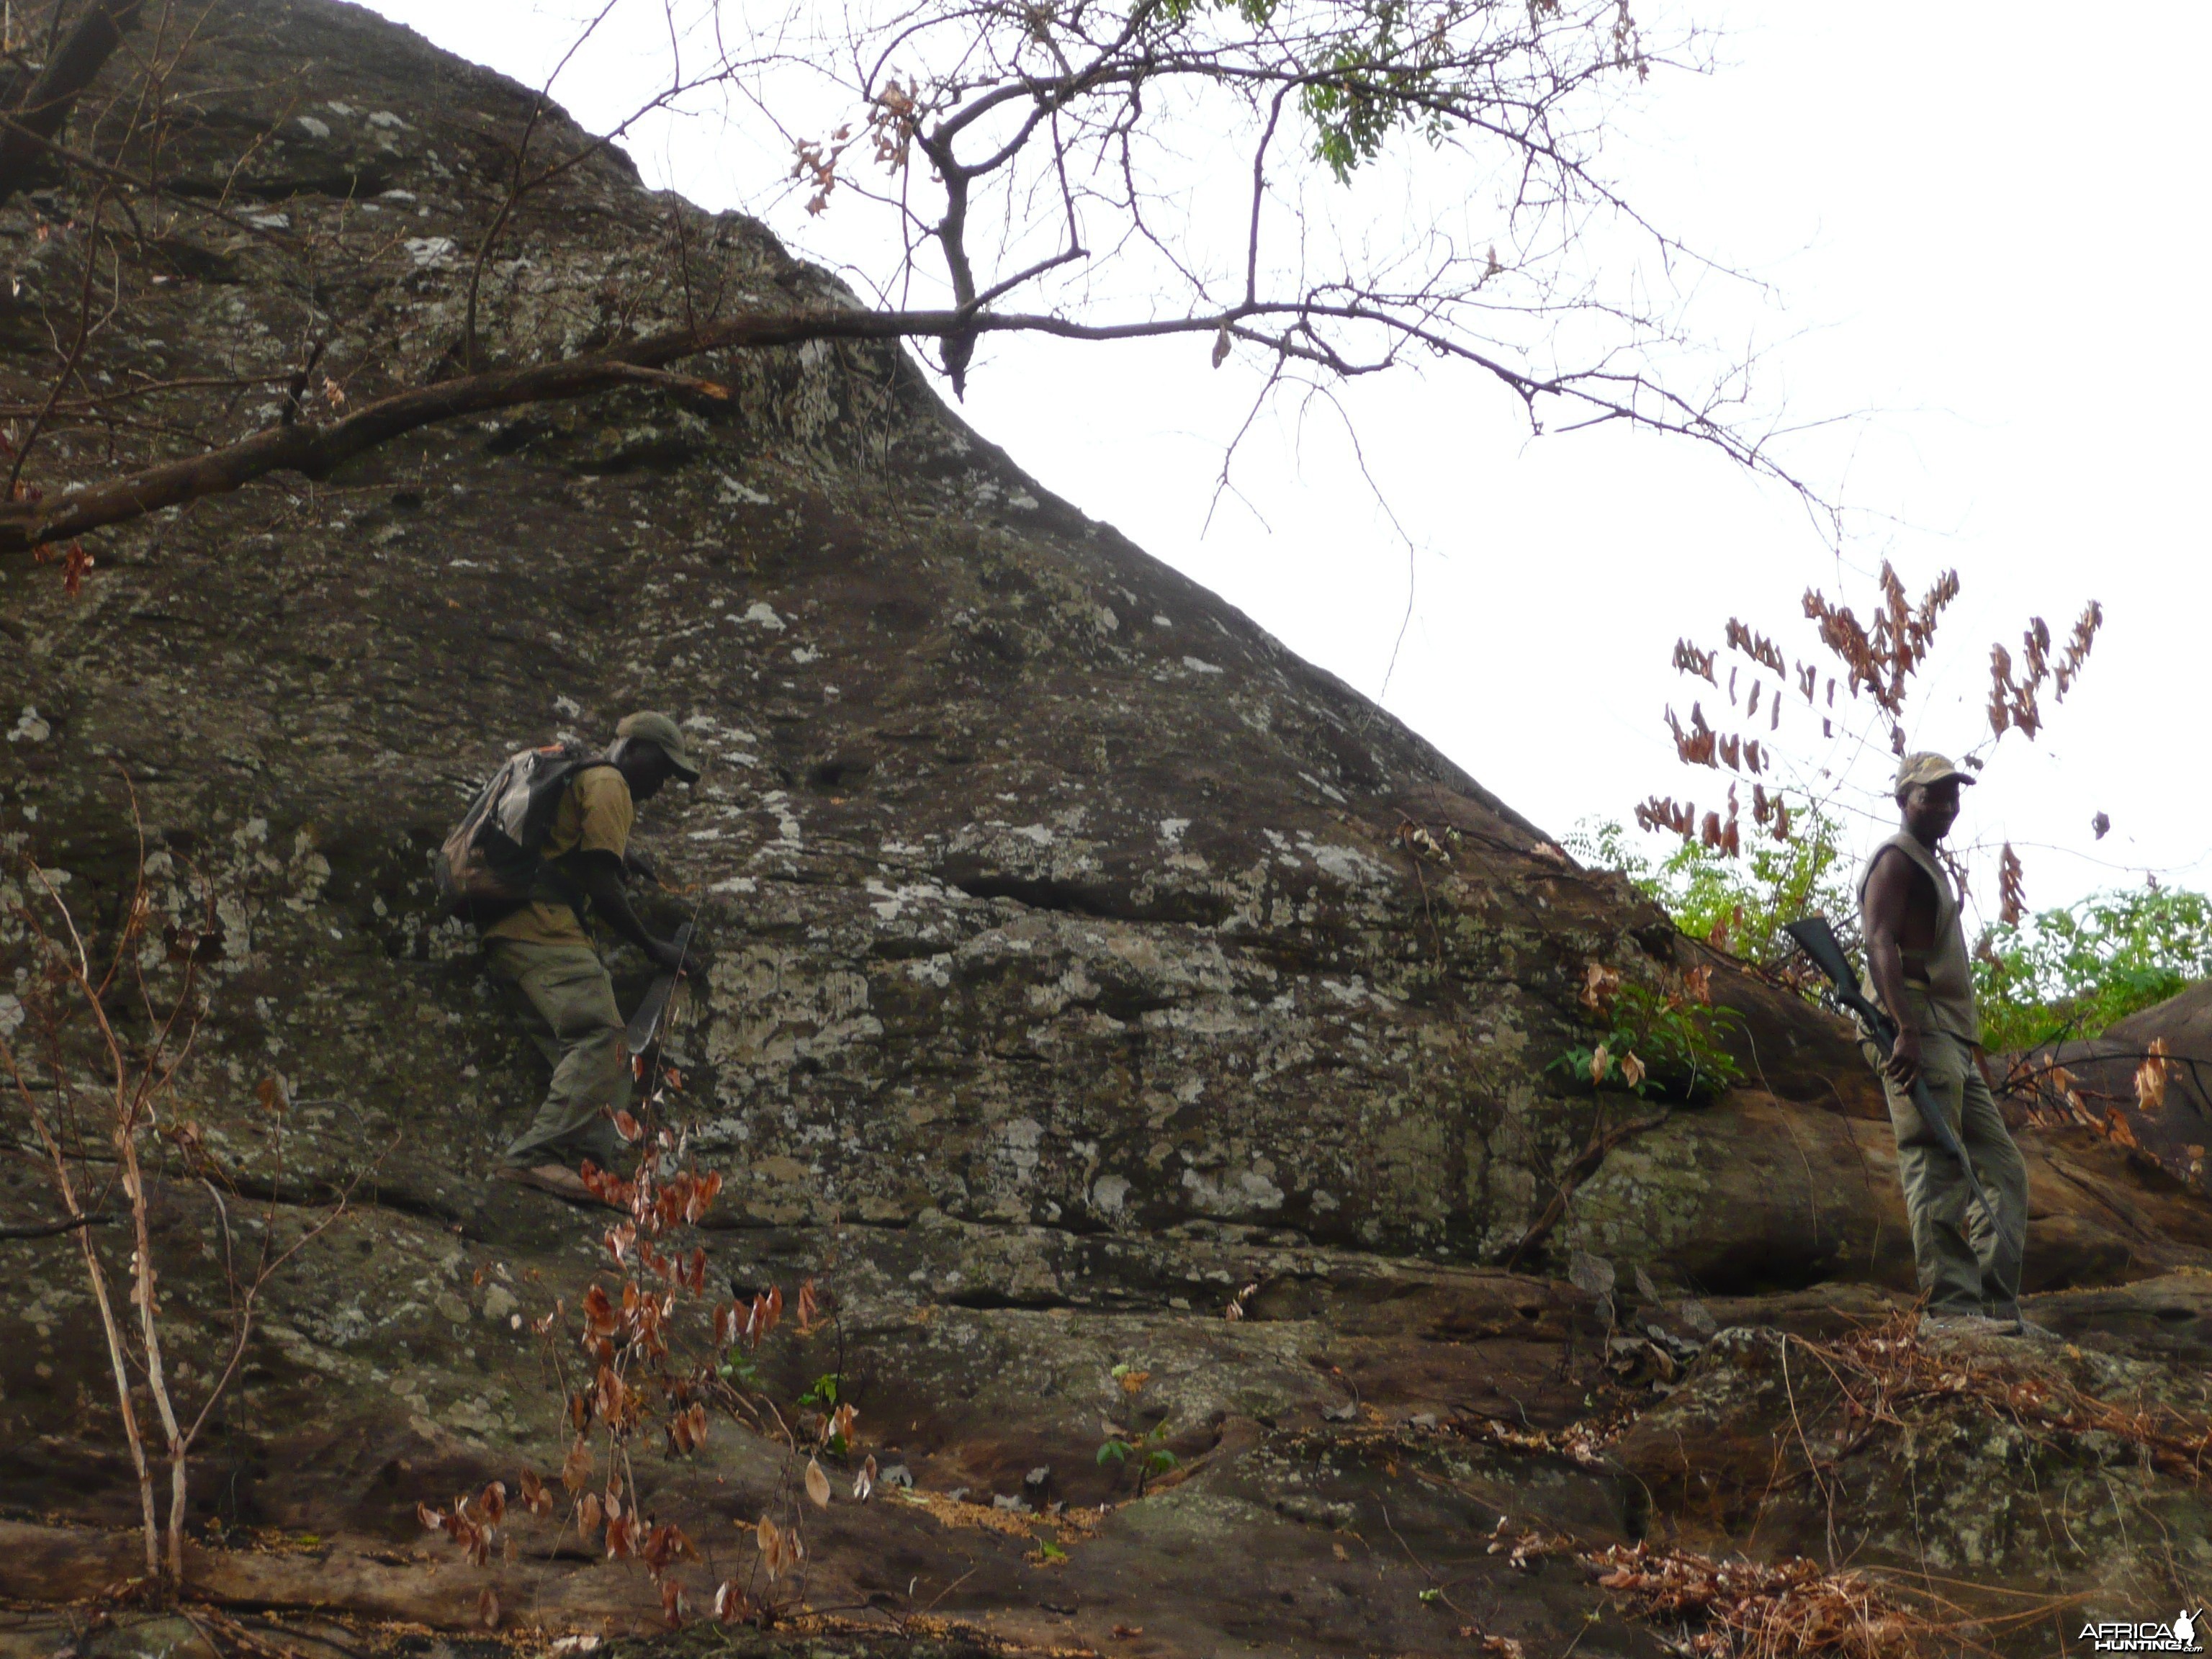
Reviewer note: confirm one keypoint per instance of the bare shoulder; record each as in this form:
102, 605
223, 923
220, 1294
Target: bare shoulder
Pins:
1894, 879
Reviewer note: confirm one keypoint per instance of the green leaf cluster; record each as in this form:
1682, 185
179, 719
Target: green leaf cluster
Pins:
1148, 1446
1676, 1037
2066, 973
1156, 1460
1365, 68
1736, 905
2071, 972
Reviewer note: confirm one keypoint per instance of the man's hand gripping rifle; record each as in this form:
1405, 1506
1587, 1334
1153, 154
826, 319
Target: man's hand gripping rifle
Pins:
1819, 942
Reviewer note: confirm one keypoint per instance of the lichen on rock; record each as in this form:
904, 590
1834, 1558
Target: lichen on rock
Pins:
1071, 971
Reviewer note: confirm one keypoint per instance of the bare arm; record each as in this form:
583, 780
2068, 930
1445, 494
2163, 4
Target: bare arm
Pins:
1888, 903
599, 876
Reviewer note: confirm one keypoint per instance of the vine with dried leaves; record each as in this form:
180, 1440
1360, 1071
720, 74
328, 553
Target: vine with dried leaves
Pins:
663, 1360
1797, 781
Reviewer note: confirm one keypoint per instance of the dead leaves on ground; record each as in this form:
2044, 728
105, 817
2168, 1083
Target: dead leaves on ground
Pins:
1523, 1547
1583, 1443
1885, 1368
1751, 1610
1734, 1609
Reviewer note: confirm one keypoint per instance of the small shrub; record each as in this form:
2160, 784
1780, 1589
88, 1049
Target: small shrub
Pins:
1657, 1038
1736, 905
2072, 972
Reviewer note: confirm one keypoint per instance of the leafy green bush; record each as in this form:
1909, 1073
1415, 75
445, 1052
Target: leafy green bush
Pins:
2072, 972
1661, 1039
1736, 904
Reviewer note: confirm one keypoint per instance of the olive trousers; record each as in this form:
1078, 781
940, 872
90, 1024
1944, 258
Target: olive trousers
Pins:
1965, 1263
567, 1004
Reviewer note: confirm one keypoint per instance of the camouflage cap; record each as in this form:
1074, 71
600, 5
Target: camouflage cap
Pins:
665, 735
1927, 767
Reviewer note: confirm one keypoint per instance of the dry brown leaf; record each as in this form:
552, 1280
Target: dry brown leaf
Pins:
2012, 888
817, 1485
1600, 983
2150, 1085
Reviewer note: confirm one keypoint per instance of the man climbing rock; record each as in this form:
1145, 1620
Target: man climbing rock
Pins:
1969, 1261
541, 950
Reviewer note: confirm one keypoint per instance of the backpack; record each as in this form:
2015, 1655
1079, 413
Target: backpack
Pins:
492, 861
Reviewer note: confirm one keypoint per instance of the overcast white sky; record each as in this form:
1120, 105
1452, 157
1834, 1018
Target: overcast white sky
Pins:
1981, 227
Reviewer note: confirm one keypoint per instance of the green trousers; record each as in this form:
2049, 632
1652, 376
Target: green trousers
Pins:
568, 1007
1965, 1265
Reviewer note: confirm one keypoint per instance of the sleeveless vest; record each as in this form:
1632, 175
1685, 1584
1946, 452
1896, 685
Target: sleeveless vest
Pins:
1945, 984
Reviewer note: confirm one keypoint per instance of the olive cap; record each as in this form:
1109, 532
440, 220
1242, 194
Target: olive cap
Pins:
1926, 767
664, 734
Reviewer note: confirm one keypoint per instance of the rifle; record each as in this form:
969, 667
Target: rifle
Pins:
1818, 941
645, 1025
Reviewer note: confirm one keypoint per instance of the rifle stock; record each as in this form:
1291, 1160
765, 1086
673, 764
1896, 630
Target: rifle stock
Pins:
1818, 941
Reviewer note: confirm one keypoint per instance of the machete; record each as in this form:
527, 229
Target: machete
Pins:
1818, 940
645, 1023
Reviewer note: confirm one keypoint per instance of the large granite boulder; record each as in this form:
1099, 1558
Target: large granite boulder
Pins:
1080, 957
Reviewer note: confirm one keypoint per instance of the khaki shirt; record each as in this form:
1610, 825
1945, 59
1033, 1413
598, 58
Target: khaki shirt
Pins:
594, 816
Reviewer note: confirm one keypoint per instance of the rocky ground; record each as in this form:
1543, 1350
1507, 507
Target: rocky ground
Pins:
1081, 959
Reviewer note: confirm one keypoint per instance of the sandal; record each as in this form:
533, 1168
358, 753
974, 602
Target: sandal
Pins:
558, 1179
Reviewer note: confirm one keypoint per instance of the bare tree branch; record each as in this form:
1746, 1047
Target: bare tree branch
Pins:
68, 71
1034, 125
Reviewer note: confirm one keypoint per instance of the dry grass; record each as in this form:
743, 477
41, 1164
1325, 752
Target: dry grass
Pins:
1751, 1610
1886, 1368
1796, 1608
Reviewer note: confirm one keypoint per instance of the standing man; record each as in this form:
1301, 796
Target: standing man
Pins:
1969, 1261
541, 950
